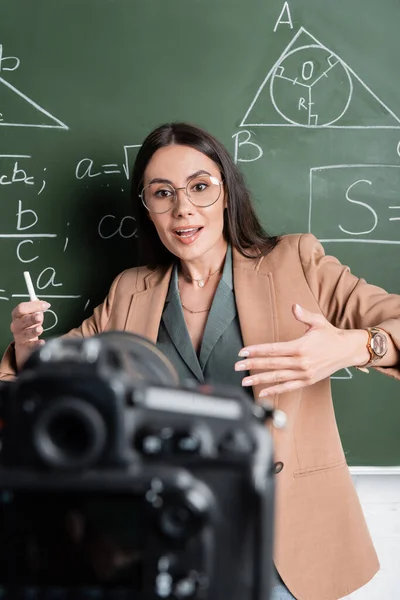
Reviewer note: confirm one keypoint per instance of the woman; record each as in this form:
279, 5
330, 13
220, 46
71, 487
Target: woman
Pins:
216, 286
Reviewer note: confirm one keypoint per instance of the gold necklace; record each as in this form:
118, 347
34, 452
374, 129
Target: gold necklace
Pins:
193, 312
201, 282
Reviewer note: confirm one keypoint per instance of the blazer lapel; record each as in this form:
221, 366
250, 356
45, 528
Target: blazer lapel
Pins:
255, 303
146, 307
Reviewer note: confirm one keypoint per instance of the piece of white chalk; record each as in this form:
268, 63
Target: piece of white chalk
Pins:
29, 285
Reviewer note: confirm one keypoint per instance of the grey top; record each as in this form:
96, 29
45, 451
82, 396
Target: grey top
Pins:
222, 338
221, 342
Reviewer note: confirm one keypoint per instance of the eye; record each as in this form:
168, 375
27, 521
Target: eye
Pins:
199, 187
163, 193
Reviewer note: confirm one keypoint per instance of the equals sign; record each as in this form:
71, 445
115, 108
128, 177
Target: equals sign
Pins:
394, 218
112, 167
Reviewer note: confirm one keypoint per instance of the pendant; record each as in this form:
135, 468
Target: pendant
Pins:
200, 283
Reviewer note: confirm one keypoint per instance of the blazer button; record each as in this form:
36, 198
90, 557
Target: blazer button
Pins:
278, 466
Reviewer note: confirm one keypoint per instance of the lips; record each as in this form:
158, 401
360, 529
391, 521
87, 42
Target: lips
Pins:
188, 235
185, 232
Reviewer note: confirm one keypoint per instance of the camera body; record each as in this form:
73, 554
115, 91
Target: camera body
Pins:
115, 482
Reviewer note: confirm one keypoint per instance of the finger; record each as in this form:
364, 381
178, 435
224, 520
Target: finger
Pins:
267, 364
25, 308
26, 321
270, 377
291, 348
28, 334
32, 319
288, 386
309, 318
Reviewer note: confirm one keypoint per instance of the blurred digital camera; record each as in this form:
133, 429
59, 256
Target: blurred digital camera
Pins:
118, 483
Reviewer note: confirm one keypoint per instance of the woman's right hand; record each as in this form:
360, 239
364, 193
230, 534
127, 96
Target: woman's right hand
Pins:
27, 326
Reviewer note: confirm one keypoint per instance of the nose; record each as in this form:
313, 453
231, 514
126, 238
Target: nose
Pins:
182, 205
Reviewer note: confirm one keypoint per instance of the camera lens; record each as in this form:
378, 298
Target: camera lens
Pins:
70, 433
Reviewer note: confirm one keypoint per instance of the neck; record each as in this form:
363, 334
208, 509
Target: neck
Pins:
204, 267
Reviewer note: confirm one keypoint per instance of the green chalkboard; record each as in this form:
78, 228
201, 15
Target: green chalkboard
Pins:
305, 95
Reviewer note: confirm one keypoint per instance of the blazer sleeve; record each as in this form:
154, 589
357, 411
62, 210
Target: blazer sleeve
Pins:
347, 301
96, 323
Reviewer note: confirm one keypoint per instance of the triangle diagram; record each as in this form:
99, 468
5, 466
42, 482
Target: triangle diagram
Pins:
17, 110
342, 374
310, 86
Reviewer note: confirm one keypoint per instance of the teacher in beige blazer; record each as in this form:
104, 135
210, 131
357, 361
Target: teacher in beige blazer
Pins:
227, 302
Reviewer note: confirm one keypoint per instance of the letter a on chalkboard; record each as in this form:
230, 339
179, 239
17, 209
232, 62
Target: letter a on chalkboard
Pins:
311, 86
17, 110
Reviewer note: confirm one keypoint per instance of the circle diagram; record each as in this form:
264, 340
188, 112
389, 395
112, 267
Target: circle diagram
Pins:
311, 87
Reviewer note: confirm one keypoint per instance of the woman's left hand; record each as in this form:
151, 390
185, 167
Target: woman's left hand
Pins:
321, 351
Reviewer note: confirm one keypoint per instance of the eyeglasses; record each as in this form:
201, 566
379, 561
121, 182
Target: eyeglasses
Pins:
201, 191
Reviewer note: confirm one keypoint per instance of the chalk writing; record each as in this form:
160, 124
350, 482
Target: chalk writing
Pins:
110, 225
130, 231
46, 325
311, 86
285, 11
39, 117
20, 258
395, 208
8, 63
18, 174
86, 167
17, 178
242, 139
356, 203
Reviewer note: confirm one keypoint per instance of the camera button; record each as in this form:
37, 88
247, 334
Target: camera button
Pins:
186, 443
278, 466
150, 444
185, 588
236, 442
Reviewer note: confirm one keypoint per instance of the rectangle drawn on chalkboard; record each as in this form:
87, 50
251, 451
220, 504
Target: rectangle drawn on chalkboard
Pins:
354, 203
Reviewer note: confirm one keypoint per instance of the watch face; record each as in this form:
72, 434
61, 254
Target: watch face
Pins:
379, 344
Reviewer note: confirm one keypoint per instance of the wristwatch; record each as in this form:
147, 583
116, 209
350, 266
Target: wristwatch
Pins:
377, 346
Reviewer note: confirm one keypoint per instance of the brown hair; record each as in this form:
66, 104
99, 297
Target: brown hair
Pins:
242, 227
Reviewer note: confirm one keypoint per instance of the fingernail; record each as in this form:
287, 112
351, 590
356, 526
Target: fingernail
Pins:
38, 329
240, 366
45, 305
247, 382
244, 353
298, 308
263, 394
38, 317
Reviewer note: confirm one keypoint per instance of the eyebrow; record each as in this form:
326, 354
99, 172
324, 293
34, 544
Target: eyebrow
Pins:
161, 180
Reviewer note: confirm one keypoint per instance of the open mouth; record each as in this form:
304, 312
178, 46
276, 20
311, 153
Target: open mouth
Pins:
187, 231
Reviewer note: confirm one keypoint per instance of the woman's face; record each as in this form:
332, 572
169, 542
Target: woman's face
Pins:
203, 225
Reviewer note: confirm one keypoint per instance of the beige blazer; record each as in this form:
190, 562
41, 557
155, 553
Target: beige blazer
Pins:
323, 549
